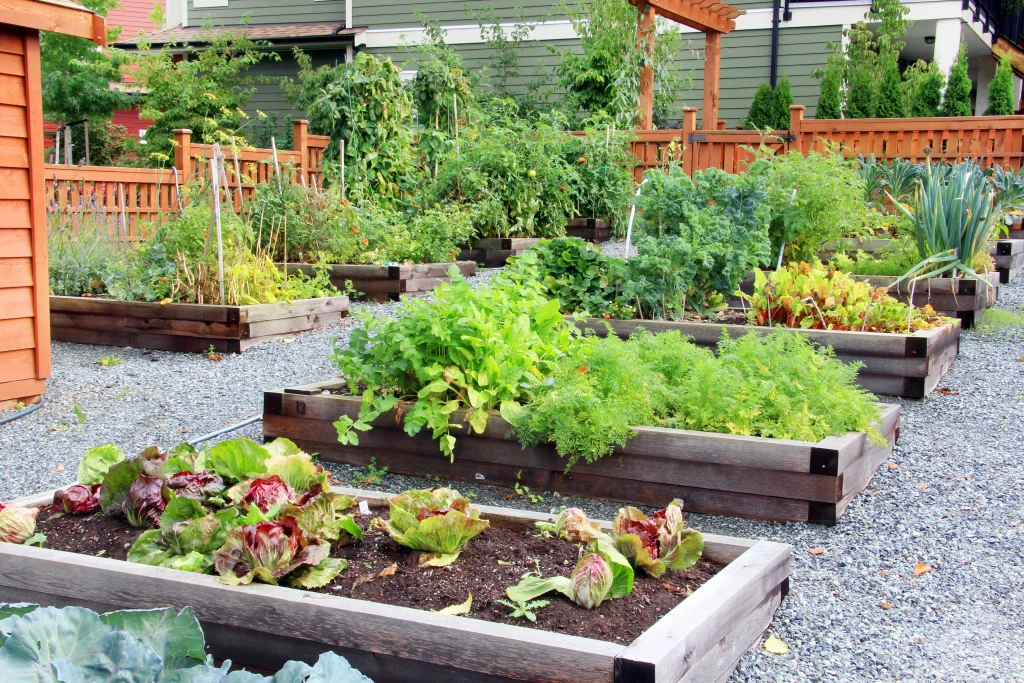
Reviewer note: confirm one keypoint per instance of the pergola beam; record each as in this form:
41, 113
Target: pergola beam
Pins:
713, 18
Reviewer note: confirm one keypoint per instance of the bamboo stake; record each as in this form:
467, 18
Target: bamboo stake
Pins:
277, 166
455, 104
86, 131
216, 216
124, 216
177, 189
342, 168
238, 177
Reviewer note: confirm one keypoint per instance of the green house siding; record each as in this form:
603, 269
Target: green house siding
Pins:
269, 97
746, 63
402, 13
268, 12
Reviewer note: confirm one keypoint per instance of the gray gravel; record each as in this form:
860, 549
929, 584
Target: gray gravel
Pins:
952, 498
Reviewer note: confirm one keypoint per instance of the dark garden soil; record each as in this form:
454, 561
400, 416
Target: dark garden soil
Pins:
381, 571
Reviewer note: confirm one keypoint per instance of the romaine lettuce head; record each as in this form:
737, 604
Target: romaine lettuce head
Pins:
591, 581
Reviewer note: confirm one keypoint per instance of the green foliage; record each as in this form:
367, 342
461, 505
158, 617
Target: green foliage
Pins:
76, 74
202, 88
895, 259
438, 522
604, 78
266, 126
144, 272
922, 85
697, 239
954, 217
860, 78
810, 296
157, 645
776, 386
463, 350
957, 99
1009, 188
830, 100
363, 103
890, 95
514, 175
762, 109
109, 144
782, 98
813, 200
524, 609
1000, 91
504, 46
601, 184
572, 271
79, 250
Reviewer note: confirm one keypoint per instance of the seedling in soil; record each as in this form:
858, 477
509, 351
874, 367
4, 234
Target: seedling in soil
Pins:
372, 474
522, 609
525, 492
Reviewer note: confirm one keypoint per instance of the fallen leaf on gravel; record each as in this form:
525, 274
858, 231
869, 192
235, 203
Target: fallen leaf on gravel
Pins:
510, 496
389, 570
775, 645
677, 590
921, 568
885, 605
921, 486
947, 392
460, 609
816, 551
893, 466
58, 468
288, 340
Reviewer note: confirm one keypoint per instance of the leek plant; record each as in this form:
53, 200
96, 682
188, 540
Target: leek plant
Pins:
953, 217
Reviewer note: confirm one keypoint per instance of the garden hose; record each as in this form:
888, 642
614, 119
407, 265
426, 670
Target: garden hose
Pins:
23, 413
225, 430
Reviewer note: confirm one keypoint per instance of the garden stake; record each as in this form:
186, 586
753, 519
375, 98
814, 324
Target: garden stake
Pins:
216, 216
343, 168
124, 216
782, 250
238, 176
455, 102
632, 214
177, 189
277, 167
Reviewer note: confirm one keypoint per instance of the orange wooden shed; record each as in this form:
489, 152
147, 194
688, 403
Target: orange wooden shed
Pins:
24, 279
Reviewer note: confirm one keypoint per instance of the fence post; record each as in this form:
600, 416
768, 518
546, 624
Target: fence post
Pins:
796, 124
689, 126
300, 143
720, 125
183, 152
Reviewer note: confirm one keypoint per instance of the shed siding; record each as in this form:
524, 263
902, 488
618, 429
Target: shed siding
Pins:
24, 281
268, 12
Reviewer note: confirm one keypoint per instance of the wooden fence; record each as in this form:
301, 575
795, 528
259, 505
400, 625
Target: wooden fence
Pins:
990, 140
135, 200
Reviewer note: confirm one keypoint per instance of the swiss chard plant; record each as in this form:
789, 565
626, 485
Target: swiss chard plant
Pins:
438, 522
72, 644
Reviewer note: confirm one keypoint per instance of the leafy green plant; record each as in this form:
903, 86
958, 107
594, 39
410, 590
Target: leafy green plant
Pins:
1009, 188
79, 250
602, 185
901, 177
954, 217
762, 114
577, 273
1000, 91
658, 543
896, 258
814, 199
158, 645
777, 386
956, 101
602, 573
697, 239
458, 355
438, 522
524, 609
810, 296
782, 99
371, 475
514, 175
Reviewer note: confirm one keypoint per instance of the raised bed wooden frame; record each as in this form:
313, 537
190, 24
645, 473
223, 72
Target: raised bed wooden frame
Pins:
738, 476
700, 640
590, 229
496, 251
906, 365
962, 298
186, 327
388, 283
1009, 256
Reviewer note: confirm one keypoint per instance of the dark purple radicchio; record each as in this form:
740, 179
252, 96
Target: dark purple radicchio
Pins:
146, 501
267, 492
77, 500
195, 485
268, 551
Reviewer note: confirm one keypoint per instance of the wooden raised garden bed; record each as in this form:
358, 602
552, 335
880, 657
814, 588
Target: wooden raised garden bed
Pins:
739, 476
1009, 256
186, 327
495, 252
904, 365
962, 298
1015, 229
699, 640
590, 229
388, 283
852, 246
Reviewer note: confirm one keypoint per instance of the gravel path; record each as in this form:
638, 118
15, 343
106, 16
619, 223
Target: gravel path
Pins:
952, 498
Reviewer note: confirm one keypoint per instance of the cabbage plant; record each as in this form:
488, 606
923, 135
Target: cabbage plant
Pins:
438, 522
70, 644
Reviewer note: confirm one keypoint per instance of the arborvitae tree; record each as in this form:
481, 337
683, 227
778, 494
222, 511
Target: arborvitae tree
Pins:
957, 101
928, 98
761, 114
1000, 91
830, 100
890, 94
781, 100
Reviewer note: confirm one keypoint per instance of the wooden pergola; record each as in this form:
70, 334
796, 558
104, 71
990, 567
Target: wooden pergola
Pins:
710, 16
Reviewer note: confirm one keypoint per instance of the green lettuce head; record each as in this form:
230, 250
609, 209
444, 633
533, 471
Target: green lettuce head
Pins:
438, 522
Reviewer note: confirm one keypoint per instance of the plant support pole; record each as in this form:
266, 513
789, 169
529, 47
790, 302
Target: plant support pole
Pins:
277, 166
216, 215
632, 215
342, 168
